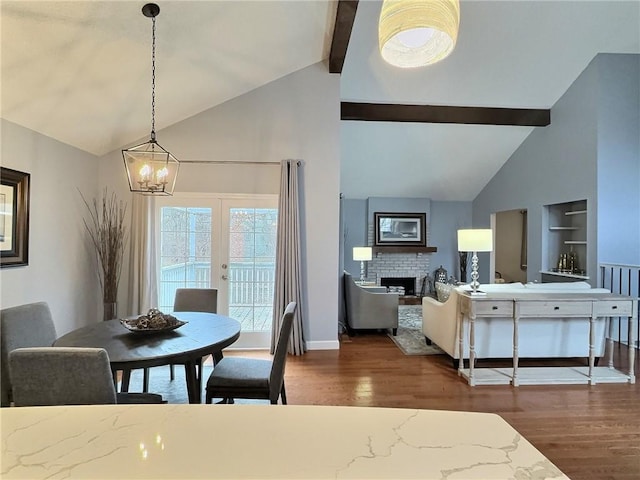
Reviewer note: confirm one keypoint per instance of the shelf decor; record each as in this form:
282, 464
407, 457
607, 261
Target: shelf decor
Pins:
400, 229
109, 236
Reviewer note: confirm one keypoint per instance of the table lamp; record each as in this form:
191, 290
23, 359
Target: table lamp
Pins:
475, 240
362, 254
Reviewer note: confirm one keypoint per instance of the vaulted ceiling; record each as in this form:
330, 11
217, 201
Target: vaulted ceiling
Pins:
79, 72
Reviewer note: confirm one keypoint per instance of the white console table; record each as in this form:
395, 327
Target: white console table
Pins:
545, 305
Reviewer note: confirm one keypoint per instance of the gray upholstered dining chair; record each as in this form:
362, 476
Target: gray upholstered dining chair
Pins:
66, 376
196, 300
190, 300
238, 377
29, 325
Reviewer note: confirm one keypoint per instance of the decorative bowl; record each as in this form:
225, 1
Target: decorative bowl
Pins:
153, 322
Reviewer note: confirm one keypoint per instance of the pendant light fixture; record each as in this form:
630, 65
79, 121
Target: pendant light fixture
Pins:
150, 168
415, 33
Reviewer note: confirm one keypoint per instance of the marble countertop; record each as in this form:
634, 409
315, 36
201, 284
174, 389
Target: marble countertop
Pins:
263, 441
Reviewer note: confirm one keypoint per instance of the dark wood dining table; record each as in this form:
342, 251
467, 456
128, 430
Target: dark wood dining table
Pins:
204, 334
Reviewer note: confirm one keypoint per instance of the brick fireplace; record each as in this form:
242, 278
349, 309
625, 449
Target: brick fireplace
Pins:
398, 266
406, 285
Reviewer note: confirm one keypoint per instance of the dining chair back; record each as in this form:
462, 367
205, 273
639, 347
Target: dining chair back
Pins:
61, 376
254, 378
66, 376
276, 377
196, 300
189, 300
29, 325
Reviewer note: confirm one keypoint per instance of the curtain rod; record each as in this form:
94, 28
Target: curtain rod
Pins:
228, 162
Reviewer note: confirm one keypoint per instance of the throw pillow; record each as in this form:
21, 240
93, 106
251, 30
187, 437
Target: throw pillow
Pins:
443, 290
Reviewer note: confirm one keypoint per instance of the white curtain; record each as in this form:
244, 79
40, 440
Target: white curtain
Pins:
288, 283
143, 289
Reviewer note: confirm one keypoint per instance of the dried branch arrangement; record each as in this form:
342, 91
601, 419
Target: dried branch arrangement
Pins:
109, 236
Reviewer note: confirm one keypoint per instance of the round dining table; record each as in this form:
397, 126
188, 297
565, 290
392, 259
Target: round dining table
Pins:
203, 334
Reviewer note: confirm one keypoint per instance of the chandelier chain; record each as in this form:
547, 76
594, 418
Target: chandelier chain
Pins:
153, 80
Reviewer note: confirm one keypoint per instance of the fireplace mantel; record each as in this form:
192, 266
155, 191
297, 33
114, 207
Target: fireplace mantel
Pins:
408, 249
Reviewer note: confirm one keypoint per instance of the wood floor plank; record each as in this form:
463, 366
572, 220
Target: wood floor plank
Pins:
589, 432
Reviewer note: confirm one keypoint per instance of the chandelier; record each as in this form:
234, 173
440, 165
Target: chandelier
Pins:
151, 169
415, 33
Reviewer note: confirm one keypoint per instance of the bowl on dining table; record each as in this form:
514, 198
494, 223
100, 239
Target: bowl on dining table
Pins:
154, 321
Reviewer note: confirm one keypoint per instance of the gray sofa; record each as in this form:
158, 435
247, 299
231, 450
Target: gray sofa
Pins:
366, 309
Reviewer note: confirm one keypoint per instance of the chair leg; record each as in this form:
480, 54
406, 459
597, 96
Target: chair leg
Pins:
126, 377
145, 380
395, 332
199, 367
283, 394
172, 373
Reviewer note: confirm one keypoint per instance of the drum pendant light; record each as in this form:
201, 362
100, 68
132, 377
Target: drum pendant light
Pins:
415, 33
151, 169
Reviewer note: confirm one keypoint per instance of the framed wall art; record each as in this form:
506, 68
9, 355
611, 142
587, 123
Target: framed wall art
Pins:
400, 229
14, 218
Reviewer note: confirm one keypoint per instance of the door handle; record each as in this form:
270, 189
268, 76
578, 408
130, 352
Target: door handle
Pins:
224, 277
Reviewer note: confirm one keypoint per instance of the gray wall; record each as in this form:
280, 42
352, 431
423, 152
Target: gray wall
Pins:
619, 159
446, 219
294, 117
354, 232
62, 266
561, 163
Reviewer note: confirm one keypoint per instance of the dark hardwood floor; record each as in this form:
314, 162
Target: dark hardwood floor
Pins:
589, 432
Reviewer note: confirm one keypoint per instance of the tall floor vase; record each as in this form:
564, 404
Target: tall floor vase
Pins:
110, 310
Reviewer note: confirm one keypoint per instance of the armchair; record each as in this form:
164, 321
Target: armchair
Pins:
367, 309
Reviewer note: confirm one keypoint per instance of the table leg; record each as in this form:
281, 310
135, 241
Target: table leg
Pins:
145, 380
126, 378
191, 378
472, 347
592, 320
515, 381
610, 342
460, 343
631, 350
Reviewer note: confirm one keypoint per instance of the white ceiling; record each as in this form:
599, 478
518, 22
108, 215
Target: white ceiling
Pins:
79, 72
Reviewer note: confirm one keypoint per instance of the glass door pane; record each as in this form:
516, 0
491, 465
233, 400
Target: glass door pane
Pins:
185, 251
250, 271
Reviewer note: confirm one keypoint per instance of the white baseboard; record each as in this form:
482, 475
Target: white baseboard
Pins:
323, 345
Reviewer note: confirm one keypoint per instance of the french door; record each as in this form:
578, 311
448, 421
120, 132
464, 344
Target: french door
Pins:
223, 242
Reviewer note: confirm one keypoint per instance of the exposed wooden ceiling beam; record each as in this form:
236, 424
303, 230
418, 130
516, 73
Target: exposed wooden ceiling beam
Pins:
345, 17
382, 112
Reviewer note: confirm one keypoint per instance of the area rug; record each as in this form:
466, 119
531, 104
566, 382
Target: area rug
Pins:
410, 338
174, 391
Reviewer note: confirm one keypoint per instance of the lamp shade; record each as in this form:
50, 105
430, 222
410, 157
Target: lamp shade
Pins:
362, 254
415, 33
475, 240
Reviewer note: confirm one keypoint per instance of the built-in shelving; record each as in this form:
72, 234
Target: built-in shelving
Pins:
567, 238
565, 275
